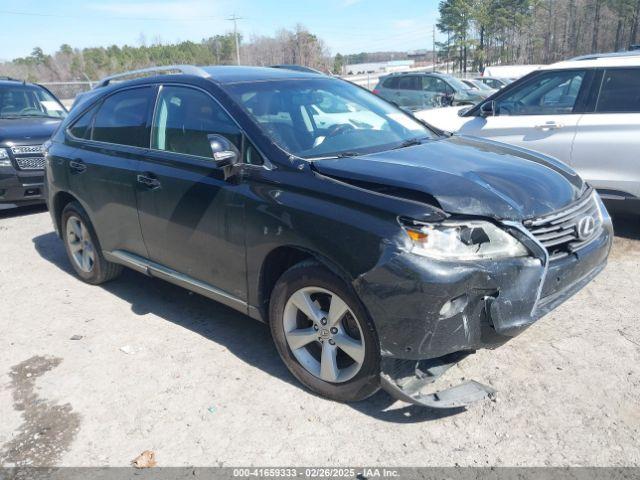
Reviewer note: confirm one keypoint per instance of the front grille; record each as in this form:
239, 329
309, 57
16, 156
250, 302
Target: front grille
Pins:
563, 233
30, 163
27, 149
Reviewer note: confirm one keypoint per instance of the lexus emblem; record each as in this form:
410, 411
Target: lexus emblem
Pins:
586, 226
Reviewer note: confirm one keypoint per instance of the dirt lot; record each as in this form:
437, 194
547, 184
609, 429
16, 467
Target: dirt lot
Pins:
95, 375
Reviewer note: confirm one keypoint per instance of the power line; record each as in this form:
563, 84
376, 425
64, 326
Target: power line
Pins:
87, 17
234, 18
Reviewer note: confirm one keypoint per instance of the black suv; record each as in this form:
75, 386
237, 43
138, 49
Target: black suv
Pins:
29, 114
379, 251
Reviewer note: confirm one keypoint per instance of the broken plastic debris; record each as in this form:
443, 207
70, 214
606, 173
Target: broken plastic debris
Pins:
128, 349
76, 337
212, 409
146, 459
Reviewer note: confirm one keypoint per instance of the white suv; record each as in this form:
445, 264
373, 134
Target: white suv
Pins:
584, 112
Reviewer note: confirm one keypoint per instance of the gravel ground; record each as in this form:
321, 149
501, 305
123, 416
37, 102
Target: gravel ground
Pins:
95, 375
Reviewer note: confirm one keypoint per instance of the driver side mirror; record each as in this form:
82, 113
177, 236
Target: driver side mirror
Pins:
488, 109
224, 152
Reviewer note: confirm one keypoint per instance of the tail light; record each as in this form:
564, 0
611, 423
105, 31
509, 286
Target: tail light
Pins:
376, 91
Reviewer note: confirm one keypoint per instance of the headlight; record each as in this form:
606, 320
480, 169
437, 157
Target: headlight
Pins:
463, 240
5, 161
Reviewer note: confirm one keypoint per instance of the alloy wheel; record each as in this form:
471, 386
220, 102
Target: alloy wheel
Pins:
324, 334
80, 245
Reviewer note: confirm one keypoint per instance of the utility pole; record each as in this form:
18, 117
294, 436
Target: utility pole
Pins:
233, 18
435, 57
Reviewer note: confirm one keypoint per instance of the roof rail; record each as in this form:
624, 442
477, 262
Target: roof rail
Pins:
11, 79
184, 69
595, 56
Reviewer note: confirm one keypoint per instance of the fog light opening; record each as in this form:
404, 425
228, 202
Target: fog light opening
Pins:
454, 306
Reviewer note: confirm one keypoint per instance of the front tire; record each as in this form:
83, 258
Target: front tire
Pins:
324, 335
83, 247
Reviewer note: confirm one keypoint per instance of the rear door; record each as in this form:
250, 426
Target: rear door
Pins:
607, 144
540, 114
191, 218
110, 139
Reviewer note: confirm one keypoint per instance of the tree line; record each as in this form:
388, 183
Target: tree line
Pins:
296, 46
478, 33
489, 32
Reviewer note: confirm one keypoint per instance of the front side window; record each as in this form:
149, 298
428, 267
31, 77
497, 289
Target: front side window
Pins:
19, 101
620, 91
185, 117
436, 85
122, 118
291, 113
551, 93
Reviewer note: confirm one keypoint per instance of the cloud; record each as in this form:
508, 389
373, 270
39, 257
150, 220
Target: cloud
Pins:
172, 10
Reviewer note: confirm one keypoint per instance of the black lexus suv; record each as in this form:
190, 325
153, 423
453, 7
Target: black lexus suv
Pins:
29, 114
379, 250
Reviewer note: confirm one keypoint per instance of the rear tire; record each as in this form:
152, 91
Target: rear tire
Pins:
83, 247
335, 351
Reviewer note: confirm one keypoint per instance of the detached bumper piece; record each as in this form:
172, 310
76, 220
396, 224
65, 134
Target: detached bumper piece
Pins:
405, 379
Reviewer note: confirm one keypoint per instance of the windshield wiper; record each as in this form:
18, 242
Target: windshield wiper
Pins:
333, 157
412, 142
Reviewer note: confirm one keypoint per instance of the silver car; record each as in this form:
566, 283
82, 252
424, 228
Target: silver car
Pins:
417, 91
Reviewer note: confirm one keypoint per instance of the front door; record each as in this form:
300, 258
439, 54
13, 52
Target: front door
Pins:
539, 114
191, 218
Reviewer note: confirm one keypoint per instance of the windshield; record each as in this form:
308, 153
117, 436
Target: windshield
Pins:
19, 101
324, 117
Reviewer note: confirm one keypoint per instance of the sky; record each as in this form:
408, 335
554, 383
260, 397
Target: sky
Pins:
346, 26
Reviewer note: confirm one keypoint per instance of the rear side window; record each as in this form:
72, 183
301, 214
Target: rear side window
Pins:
122, 118
82, 127
391, 82
185, 117
409, 83
620, 91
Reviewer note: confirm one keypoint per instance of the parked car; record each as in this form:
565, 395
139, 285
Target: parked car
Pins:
494, 82
584, 112
415, 91
476, 84
510, 71
29, 114
378, 256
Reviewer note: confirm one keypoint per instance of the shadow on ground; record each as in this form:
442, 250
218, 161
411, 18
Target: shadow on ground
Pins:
626, 225
223, 326
10, 212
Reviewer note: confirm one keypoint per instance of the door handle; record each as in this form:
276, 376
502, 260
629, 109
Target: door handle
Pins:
77, 166
549, 126
149, 181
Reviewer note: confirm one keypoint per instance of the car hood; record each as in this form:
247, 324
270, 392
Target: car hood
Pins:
26, 131
446, 118
473, 95
465, 175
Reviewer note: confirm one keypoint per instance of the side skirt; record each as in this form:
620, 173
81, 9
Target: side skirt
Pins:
153, 269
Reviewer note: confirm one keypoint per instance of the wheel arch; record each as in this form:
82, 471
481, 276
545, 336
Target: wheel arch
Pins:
60, 201
281, 259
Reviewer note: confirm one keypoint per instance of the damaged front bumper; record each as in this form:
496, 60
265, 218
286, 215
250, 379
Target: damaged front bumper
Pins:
427, 310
